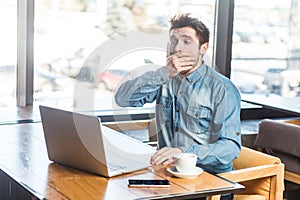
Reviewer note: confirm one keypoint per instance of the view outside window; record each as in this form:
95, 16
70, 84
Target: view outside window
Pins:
85, 49
8, 52
266, 48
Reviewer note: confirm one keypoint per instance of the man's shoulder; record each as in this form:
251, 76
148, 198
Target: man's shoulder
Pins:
218, 80
217, 76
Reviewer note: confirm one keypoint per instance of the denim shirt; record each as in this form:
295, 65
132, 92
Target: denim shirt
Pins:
199, 113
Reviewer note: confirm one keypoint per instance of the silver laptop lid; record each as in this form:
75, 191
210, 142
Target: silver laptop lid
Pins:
74, 140
81, 141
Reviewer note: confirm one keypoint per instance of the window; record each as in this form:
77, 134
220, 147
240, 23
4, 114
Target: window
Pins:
265, 50
8, 52
85, 49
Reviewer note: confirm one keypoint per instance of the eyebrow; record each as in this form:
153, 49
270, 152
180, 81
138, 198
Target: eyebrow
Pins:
186, 36
182, 36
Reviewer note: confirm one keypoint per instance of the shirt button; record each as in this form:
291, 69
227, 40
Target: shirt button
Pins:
196, 115
192, 81
238, 133
177, 110
161, 79
180, 92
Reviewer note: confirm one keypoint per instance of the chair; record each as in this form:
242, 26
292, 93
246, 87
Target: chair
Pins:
261, 174
293, 121
281, 139
288, 175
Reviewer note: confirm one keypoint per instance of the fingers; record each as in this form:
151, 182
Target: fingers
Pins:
182, 64
168, 161
183, 61
165, 156
160, 156
178, 62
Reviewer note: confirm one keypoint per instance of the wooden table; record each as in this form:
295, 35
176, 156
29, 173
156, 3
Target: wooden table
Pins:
26, 173
285, 104
17, 115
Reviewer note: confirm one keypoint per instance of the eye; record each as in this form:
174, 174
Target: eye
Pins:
187, 42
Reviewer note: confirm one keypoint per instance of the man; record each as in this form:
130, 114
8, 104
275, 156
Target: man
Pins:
197, 109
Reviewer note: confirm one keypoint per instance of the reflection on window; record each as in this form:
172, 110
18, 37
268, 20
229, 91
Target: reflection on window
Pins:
266, 48
79, 60
8, 52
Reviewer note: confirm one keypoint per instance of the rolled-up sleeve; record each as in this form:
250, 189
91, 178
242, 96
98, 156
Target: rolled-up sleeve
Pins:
141, 90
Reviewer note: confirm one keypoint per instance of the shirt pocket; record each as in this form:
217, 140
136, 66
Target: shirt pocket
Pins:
165, 108
198, 118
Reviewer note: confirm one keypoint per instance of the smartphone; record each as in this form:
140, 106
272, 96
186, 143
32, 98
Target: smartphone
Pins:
148, 183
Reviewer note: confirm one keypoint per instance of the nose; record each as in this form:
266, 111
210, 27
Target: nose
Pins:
178, 47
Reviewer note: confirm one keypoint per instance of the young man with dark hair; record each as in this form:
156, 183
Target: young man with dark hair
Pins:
197, 109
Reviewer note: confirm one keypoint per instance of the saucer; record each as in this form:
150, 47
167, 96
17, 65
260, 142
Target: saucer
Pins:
197, 171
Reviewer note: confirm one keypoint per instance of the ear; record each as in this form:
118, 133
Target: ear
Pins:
203, 48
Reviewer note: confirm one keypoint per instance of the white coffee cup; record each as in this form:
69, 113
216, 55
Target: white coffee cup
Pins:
186, 163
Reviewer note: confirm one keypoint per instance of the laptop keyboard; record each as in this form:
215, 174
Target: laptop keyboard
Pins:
114, 167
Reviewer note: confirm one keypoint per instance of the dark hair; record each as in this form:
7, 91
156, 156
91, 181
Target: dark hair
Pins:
184, 20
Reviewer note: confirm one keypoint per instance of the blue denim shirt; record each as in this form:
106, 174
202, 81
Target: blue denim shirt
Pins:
199, 113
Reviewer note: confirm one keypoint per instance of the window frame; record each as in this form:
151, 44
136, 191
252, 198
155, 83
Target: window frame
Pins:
25, 38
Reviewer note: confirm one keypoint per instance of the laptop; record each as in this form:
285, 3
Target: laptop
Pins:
82, 142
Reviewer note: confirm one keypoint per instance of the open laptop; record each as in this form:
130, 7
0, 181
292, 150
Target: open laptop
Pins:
80, 141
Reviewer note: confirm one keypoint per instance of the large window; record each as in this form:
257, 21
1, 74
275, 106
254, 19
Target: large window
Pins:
8, 52
85, 49
72, 38
265, 50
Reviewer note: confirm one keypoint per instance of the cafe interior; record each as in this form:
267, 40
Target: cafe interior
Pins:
74, 54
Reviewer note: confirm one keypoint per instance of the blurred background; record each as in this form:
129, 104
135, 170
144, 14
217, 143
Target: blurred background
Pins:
265, 45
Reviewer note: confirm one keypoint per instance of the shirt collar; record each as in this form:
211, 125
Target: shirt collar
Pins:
197, 74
